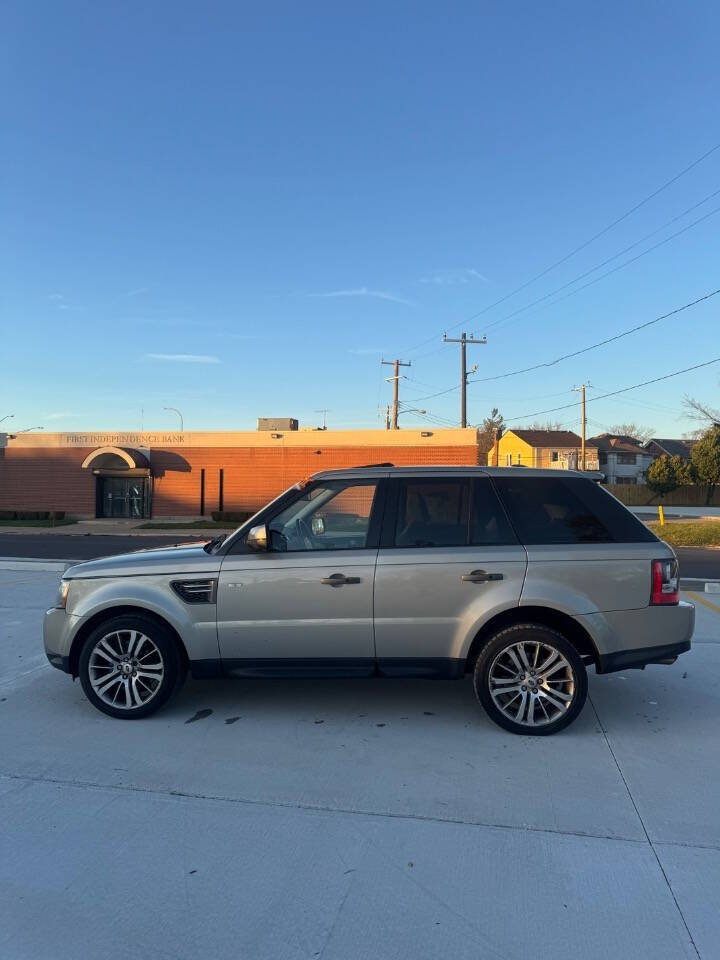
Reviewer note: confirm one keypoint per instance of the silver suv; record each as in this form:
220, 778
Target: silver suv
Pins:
520, 578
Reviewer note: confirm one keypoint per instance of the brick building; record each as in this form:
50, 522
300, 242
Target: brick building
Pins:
192, 473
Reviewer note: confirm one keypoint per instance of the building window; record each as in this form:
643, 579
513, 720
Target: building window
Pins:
555, 456
627, 458
508, 459
602, 458
518, 459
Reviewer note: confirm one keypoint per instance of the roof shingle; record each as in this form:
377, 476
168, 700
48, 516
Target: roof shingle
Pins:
548, 438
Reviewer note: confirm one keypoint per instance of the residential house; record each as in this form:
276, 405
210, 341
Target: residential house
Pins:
622, 459
555, 449
670, 448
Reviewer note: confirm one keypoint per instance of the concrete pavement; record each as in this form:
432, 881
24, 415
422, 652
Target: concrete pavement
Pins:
354, 819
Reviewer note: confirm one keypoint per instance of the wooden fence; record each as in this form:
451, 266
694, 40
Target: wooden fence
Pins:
638, 495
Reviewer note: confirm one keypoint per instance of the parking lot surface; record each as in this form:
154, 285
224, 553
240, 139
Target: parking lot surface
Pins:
355, 819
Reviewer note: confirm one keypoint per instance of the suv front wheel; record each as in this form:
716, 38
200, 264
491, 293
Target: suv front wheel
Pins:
530, 679
129, 666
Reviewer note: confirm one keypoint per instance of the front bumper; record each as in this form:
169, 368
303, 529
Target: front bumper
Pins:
58, 633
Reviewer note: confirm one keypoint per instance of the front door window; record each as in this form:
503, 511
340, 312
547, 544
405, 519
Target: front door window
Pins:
331, 516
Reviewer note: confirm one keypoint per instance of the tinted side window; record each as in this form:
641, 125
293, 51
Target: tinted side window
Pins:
488, 523
568, 510
433, 513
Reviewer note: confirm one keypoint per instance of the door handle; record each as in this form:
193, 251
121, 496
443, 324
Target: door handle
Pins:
480, 576
339, 580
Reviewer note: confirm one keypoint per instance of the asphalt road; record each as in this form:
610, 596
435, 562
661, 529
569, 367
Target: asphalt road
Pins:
47, 546
694, 561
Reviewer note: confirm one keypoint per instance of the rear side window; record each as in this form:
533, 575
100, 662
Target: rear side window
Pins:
450, 513
433, 513
568, 510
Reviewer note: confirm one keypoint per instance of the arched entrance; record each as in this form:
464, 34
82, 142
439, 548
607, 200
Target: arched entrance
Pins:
123, 482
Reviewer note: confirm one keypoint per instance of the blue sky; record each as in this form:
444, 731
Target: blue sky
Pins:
238, 209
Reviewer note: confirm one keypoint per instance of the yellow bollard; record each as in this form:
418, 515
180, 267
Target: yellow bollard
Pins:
661, 514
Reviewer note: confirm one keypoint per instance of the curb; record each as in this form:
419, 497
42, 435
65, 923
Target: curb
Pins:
22, 563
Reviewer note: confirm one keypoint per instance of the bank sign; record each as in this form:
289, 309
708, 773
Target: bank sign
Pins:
122, 439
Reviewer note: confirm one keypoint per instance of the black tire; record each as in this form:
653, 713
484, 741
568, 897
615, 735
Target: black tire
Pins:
161, 683
535, 694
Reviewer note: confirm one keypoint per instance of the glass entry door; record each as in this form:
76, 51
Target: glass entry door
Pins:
123, 497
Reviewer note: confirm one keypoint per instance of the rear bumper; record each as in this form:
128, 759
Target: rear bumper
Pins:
634, 638
638, 659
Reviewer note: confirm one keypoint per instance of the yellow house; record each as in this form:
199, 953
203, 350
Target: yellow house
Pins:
556, 449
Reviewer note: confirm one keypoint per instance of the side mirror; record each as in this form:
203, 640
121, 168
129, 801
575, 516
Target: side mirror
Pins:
318, 526
257, 539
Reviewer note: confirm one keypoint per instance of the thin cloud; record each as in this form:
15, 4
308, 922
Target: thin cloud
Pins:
182, 357
59, 300
60, 416
455, 275
364, 292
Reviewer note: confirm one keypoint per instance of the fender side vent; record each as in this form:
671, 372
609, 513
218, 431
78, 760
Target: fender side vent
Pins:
196, 591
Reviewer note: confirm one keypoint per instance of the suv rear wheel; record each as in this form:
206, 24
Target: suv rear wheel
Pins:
129, 666
530, 679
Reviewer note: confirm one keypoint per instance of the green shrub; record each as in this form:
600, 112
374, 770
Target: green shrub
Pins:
8, 515
32, 515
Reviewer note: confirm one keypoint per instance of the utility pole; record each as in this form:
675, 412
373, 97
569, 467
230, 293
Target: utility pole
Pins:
463, 340
583, 421
395, 364
324, 411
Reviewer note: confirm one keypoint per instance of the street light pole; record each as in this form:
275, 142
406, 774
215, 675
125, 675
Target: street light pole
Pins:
8, 416
417, 410
175, 410
28, 429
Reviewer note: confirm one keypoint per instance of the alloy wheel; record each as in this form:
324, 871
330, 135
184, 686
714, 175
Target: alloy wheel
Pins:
126, 669
531, 683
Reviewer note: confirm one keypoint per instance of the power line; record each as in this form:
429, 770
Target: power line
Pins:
576, 353
600, 343
577, 249
620, 266
614, 393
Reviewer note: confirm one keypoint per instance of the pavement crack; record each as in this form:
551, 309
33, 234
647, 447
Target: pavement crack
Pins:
642, 824
319, 808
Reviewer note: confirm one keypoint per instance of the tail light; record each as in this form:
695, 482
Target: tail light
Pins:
665, 582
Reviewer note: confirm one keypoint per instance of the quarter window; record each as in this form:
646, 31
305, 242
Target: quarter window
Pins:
329, 516
568, 510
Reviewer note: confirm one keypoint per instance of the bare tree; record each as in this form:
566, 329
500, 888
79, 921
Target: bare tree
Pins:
545, 425
634, 430
703, 412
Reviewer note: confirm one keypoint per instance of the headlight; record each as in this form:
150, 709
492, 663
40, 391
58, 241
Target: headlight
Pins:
62, 594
